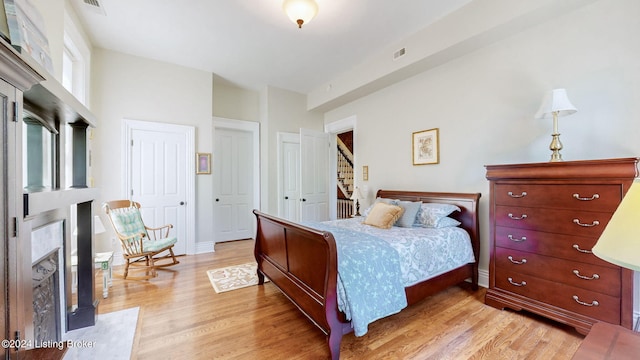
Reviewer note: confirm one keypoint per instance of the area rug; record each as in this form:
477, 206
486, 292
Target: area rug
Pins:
234, 277
110, 338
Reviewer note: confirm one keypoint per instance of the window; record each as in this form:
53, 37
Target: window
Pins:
76, 58
73, 70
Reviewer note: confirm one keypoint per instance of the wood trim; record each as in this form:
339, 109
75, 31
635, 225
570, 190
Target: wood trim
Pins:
15, 70
597, 169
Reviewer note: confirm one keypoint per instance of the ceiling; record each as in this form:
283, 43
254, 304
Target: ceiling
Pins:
252, 43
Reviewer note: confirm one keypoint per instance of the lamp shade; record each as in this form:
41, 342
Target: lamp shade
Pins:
355, 195
300, 11
557, 102
619, 243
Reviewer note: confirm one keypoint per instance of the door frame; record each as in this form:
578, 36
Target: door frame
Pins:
128, 126
335, 128
253, 128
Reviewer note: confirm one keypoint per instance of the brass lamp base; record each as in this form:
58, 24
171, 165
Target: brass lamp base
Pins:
555, 147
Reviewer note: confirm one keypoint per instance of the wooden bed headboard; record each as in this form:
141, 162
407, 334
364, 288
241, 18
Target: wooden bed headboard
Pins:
467, 202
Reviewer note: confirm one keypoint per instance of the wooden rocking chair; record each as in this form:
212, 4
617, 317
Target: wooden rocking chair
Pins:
141, 245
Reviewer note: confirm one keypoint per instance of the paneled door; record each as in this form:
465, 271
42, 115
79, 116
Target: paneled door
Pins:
159, 176
233, 184
314, 175
289, 177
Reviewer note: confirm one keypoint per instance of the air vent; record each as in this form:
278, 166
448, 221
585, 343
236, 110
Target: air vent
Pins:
396, 55
95, 6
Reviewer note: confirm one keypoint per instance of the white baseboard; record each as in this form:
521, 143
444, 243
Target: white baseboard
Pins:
205, 247
483, 278
117, 258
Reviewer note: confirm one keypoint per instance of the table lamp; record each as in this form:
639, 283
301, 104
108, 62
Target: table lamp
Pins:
355, 196
555, 104
619, 243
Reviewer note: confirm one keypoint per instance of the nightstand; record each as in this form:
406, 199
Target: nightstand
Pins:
607, 341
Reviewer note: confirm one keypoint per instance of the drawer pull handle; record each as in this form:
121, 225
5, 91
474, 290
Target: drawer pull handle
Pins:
577, 196
524, 283
593, 303
593, 277
524, 238
524, 193
523, 261
593, 223
511, 216
577, 247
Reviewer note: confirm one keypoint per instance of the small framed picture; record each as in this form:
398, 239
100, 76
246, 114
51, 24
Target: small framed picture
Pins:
425, 147
203, 163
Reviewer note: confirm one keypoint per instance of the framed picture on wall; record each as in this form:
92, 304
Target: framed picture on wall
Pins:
203, 163
426, 147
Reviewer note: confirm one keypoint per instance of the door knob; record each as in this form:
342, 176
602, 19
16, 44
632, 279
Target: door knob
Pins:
181, 202
217, 200
286, 198
303, 199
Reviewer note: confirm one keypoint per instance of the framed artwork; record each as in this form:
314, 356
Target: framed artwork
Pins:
203, 163
426, 147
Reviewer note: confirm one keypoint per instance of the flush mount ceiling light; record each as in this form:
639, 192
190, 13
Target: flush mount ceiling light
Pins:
300, 11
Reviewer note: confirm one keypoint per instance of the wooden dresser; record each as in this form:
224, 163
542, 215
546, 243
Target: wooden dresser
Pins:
544, 220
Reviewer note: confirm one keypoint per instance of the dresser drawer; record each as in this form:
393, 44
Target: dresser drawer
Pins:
576, 248
572, 222
596, 278
603, 198
585, 302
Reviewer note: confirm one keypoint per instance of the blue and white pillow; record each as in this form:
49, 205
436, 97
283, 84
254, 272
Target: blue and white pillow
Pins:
434, 215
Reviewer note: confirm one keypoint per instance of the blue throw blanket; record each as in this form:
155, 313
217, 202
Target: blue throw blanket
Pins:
369, 277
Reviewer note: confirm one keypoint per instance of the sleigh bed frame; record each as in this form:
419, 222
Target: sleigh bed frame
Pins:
302, 262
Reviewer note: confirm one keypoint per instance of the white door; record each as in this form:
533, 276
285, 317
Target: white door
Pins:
289, 176
314, 175
159, 179
233, 184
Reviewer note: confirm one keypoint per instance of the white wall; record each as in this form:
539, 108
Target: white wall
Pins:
52, 12
282, 111
129, 87
484, 105
233, 102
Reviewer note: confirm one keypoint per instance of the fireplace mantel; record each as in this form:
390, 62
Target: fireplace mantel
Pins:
25, 85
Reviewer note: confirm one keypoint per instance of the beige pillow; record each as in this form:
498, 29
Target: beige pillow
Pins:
383, 215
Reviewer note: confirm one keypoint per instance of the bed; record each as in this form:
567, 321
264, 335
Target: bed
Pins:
302, 261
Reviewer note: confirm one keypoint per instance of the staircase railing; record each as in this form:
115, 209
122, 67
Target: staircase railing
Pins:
345, 208
345, 169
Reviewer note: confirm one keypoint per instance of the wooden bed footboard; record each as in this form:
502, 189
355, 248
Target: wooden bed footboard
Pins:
302, 262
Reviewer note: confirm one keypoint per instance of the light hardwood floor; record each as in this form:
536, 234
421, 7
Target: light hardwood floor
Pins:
182, 317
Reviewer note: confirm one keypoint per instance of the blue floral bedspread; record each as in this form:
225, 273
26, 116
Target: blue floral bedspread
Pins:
424, 252
369, 277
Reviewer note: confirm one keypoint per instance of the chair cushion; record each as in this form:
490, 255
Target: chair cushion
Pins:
128, 221
155, 245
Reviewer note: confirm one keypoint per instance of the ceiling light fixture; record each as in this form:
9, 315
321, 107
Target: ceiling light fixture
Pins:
300, 11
